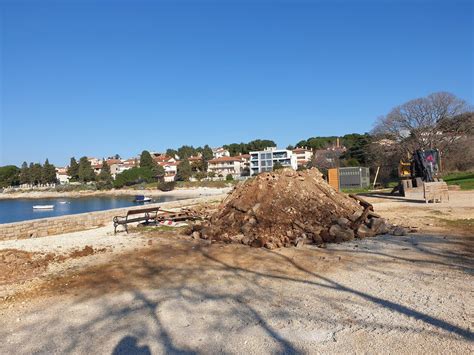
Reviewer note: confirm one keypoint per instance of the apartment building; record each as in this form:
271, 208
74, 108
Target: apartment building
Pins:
264, 160
224, 166
303, 155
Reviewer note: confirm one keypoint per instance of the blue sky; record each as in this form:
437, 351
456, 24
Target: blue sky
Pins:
97, 78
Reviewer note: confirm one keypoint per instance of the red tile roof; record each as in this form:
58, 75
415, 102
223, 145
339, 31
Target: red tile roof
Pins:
191, 159
113, 161
224, 159
162, 158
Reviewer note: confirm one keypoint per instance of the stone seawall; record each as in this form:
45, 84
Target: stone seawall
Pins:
76, 222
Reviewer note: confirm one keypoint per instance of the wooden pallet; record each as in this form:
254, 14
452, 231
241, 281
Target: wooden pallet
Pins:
435, 191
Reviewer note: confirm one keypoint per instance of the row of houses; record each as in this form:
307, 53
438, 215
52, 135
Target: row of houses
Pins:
221, 165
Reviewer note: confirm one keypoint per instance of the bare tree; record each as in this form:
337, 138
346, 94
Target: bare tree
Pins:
424, 123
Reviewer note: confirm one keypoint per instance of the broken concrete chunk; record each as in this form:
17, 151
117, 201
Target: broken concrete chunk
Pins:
341, 234
343, 222
379, 225
355, 216
399, 231
365, 232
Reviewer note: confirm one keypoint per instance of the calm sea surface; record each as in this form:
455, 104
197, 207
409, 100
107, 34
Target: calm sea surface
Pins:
22, 209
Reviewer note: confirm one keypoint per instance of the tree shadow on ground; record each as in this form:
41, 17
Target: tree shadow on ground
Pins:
192, 275
409, 312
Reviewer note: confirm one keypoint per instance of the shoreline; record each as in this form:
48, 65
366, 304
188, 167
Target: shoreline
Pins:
188, 192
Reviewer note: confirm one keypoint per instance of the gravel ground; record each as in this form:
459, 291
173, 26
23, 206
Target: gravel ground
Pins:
411, 294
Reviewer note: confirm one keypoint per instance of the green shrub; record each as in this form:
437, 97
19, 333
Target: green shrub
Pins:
134, 176
166, 186
229, 177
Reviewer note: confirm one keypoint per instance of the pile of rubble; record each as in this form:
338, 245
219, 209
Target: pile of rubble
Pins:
287, 208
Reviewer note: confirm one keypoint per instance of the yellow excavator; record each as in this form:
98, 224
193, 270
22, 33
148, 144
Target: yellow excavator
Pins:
420, 177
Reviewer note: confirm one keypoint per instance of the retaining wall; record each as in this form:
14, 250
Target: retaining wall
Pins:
77, 222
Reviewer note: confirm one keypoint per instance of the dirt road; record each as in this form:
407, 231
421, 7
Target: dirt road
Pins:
166, 293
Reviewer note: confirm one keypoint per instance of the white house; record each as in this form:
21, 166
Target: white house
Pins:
171, 169
303, 155
62, 176
264, 160
125, 165
220, 152
224, 166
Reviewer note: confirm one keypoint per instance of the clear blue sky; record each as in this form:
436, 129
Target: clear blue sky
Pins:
97, 78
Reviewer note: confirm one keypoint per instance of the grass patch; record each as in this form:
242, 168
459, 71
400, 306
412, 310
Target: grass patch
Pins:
438, 213
356, 191
463, 224
464, 179
213, 184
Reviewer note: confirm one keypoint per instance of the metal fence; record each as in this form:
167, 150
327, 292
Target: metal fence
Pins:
354, 177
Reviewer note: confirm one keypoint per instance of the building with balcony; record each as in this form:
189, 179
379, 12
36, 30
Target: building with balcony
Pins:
303, 156
220, 152
264, 160
224, 166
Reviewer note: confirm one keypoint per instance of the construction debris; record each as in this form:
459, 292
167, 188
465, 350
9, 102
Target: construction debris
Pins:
289, 208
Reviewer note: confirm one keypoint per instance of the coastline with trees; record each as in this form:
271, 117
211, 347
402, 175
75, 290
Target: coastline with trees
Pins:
440, 120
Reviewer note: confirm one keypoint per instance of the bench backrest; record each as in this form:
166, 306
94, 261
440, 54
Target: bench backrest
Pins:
143, 210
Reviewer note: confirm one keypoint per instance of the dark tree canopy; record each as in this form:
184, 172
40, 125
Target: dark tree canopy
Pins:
48, 173
9, 176
105, 174
85, 171
244, 148
184, 170
146, 161
73, 170
134, 176
207, 153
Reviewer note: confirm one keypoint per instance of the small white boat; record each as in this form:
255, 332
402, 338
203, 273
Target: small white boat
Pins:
142, 198
63, 202
43, 207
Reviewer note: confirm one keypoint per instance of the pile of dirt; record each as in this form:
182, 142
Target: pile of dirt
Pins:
286, 208
19, 265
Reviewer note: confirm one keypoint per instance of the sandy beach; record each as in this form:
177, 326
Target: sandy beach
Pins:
191, 192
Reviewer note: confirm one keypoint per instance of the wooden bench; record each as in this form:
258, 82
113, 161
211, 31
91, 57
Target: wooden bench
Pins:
139, 215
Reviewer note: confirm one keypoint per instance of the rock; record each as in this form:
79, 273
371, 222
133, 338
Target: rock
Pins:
399, 231
365, 232
355, 216
188, 230
252, 221
326, 236
341, 234
259, 242
343, 222
379, 226
238, 238
299, 242
246, 229
317, 239
198, 227
255, 208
